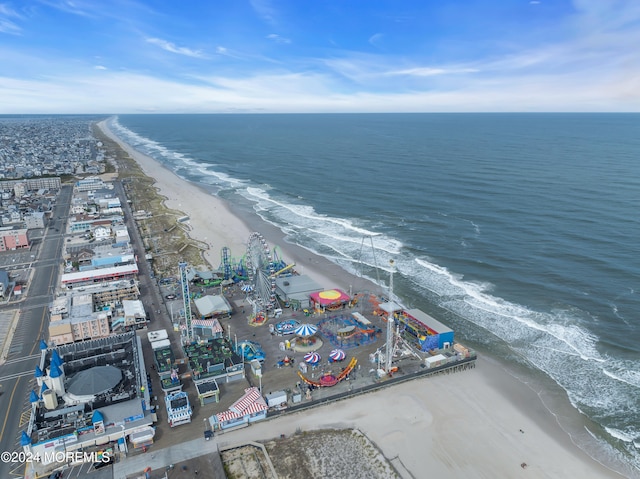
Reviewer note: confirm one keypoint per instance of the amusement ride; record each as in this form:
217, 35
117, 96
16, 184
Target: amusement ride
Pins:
263, 267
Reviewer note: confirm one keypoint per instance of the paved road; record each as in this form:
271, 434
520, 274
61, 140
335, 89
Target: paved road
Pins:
149, 292
16, 375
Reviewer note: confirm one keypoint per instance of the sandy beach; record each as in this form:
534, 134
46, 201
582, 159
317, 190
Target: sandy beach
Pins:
482, 423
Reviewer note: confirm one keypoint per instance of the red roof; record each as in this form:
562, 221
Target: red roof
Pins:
212, 324
331, 296
251, 403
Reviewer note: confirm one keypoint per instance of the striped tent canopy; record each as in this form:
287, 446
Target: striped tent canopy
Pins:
312, 358
337, 355
306, 330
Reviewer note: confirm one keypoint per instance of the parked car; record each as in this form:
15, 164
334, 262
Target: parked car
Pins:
105, 462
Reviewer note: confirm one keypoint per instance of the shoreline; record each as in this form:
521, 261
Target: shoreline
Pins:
468, 425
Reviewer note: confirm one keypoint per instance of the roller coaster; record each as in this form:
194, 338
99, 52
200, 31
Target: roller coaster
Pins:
258, 269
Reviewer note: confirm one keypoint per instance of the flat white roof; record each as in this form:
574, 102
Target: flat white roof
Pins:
360, 318
389, 307
212, 304
94, 274
429, 321
435, 359
157, 335
162, 344
133, 307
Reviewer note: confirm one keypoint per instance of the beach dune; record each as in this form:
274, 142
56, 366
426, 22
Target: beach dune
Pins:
480, 423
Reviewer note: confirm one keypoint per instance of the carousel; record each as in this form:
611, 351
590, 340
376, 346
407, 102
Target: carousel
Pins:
306, 339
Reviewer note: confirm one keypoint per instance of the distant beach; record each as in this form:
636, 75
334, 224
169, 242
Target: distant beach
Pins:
480, 423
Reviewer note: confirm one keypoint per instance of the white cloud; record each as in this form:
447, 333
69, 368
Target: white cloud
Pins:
170, 47
265, 10
7, 25
430, 71
589, 62
277, 38
7, 11
125, 92
76, 7
376, 39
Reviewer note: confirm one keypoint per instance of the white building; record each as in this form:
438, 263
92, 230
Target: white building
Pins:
34, 220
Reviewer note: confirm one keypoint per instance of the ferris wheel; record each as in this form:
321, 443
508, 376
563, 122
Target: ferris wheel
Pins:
261, 272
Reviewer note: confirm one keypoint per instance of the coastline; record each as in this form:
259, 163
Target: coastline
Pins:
461, 425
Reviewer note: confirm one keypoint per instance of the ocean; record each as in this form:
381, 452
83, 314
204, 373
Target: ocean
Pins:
520, 231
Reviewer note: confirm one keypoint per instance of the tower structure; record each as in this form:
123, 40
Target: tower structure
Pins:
390, 323
226, 262
186, 300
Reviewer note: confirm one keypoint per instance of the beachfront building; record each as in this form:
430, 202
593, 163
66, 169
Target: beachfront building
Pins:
90, 183
429, 333
251, 407
109, 202
329, 300
295, 290
73, 383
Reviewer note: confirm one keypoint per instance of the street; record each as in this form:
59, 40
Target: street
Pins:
16, 374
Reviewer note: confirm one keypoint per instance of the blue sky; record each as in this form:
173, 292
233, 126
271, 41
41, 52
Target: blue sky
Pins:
166, 56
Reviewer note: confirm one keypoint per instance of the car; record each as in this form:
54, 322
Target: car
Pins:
107, 461
170, 296
55, 475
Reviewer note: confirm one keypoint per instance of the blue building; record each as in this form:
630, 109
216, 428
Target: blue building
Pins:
429, 332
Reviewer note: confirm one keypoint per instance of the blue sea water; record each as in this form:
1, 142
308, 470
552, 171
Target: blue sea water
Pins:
520, 231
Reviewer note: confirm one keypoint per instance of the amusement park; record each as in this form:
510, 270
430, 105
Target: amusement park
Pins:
252, 340
258, 338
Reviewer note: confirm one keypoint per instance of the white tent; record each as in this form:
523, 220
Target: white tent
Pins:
209, 306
